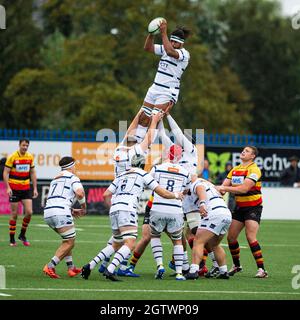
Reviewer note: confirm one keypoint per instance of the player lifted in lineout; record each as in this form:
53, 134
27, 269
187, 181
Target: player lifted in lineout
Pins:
164, 91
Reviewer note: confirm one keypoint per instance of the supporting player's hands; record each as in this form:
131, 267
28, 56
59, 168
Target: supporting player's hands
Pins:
77, 213
169, 108
158, 116
9, 191
35, 193
179, 195
203, 210
221, 190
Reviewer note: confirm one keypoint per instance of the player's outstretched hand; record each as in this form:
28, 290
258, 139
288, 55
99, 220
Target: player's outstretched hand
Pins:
77, 213
158, 116
163, 27
169, 108
221, 190
179, 195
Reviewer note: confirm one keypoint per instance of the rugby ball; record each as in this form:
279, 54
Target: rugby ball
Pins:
153, 27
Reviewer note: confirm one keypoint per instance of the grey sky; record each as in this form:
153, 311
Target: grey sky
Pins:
290, 7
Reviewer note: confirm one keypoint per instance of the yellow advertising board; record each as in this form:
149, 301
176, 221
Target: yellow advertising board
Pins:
95, 160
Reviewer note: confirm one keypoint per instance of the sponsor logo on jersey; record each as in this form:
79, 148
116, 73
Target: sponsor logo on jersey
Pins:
237, 180
22, 167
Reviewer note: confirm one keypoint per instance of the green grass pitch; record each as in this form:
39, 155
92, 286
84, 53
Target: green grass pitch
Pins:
25, 280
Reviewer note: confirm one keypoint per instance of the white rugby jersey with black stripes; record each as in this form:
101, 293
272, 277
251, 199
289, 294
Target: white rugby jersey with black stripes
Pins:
213, 199
174, 178
128, 187
123, 155
169, 69
61, 196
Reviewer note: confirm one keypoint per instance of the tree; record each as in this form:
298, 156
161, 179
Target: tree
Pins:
105, 106
206, 102
264, 51
19, 48
33, 96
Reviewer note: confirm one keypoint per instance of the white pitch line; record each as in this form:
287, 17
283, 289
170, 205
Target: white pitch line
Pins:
164, 243
155, 291
5, 295
9, 265
39, 225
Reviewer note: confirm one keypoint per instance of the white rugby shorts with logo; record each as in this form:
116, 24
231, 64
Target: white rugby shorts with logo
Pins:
217, 221
121, 218
171, 223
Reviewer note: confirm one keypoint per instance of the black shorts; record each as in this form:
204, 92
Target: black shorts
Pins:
147, 215
247, 213
18, 195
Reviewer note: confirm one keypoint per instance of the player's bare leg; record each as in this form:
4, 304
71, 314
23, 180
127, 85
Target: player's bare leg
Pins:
140, 247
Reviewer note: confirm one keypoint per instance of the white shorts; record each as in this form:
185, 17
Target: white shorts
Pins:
193, 219
59, 221
166, 222
123, 218
217, 221
157, 95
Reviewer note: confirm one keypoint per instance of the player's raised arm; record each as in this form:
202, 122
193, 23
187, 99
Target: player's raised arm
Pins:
166, 42
152, 131
133, 125
180, 137
166, 141
149, 43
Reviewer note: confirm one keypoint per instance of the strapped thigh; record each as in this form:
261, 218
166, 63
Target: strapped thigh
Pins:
69, 234
129, 234
177, 235
147, 110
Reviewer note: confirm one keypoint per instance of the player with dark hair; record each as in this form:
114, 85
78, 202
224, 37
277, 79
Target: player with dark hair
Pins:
64, 190
18, 171
164, 91
244, 181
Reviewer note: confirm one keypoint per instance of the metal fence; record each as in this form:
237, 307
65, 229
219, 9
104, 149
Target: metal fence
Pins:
209, 139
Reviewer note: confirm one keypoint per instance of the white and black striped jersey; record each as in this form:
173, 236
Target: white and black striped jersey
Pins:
128, 187
123, 155
169, 69
213, 198
174, 178
61, 196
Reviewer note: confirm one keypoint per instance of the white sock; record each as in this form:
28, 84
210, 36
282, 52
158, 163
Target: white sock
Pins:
69, 262
213, 259
223, 269
105, 262
110, 241
178, 257
123, 265
185, 265
119, 256
104, 253
194, 268
54, 262
157, 250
